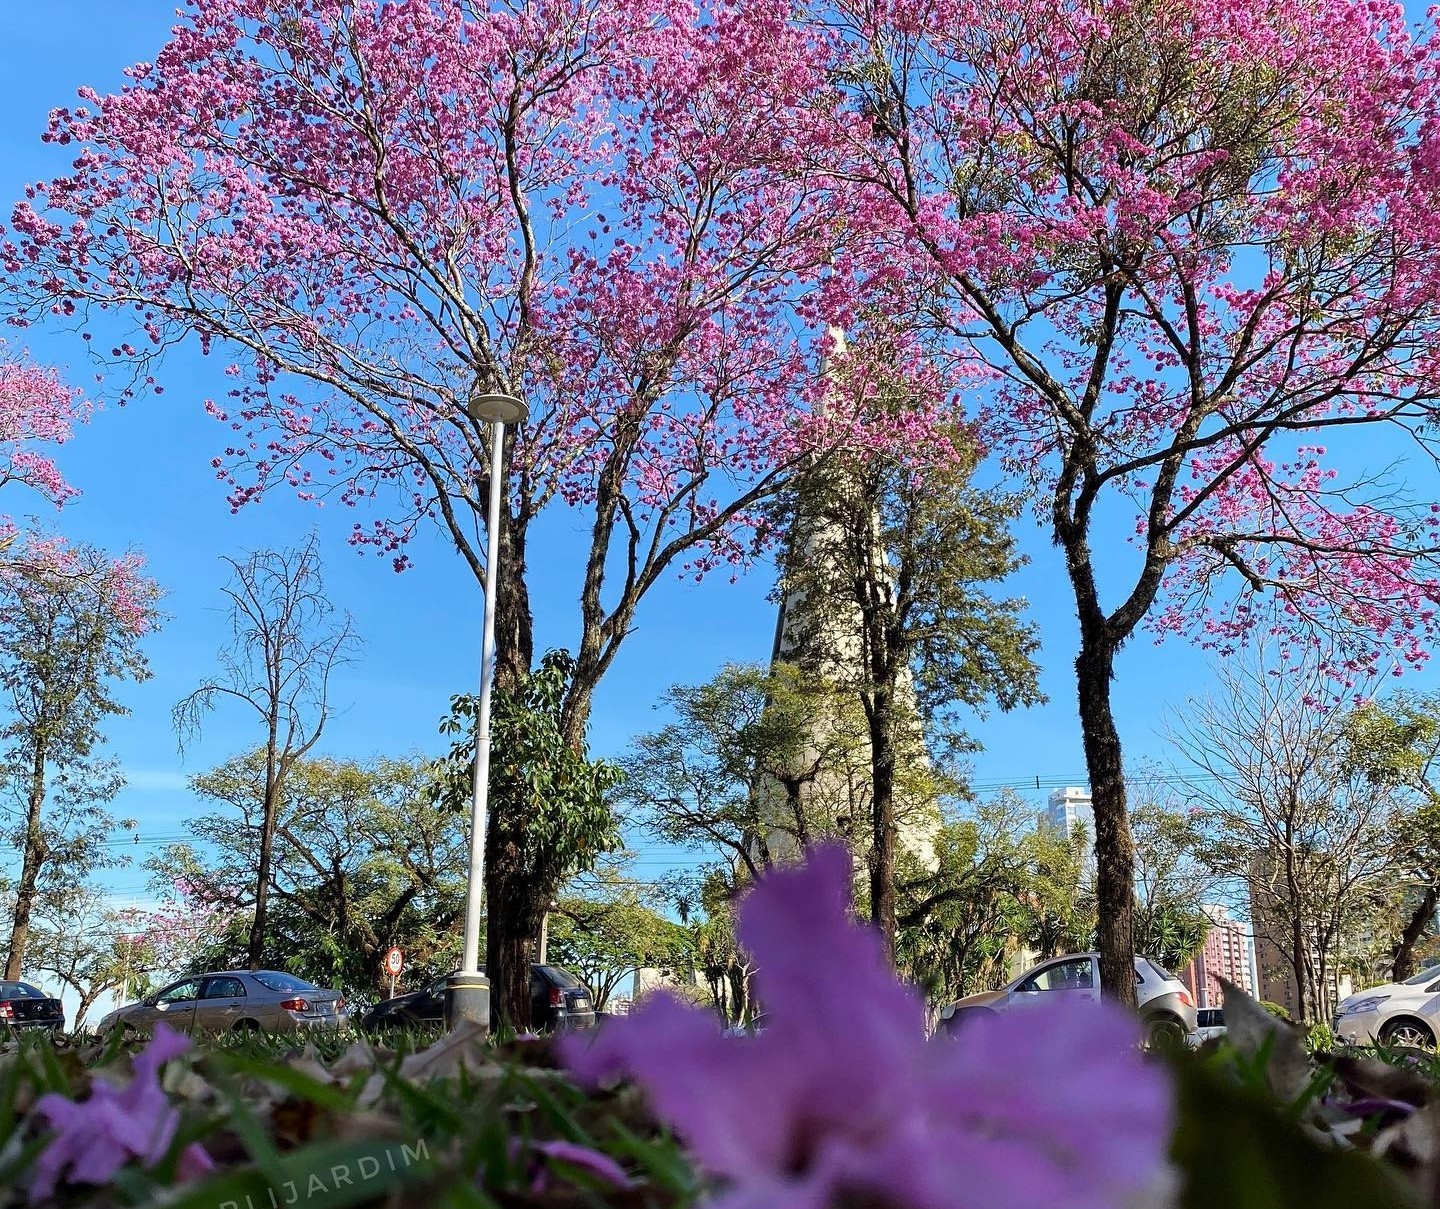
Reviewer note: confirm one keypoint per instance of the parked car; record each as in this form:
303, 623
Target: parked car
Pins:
23, 1006
1394, 1013
559, 1002
234, 1001
1165, 1004
753, 1028
1209, 1024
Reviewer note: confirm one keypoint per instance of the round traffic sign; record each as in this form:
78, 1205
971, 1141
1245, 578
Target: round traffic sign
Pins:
394, 961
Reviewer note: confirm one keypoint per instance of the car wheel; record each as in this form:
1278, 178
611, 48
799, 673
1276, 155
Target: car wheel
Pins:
1407, 1032
1164, 1032
245, 1026
965, 1016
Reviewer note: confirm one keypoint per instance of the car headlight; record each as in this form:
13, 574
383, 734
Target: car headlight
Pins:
1353, 1006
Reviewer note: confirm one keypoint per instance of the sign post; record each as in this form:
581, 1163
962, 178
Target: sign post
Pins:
394, 962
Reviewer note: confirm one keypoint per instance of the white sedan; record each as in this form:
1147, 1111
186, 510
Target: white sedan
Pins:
1397, 1013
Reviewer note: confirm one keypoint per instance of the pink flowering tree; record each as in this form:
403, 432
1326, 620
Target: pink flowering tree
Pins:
375, 212
36, 409
1196, 247
191, 918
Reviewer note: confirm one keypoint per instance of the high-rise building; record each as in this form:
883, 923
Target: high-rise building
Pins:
1069, 806
1226, 955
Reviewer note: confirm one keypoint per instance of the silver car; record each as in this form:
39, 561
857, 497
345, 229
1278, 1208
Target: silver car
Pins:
234, 1001
1395, 1013
1166, 1008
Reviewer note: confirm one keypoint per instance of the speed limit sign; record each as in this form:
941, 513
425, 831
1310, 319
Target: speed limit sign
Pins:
394, 962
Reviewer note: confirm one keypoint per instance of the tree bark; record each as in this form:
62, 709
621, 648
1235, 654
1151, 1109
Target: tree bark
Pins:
255, 951
1114, 848
511, 924
1402, 965
882, 817
36, 852
511, 914
1298, 963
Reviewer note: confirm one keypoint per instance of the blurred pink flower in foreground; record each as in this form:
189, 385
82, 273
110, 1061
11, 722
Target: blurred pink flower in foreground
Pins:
842, 1100
97, 1136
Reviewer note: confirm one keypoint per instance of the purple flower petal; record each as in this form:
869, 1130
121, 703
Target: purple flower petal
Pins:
672, 1050
842, 1100
97, 1136
602, 1166
194, 1162
164, 1045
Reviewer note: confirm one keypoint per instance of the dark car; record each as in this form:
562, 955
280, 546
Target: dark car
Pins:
25, 1006
559, 1002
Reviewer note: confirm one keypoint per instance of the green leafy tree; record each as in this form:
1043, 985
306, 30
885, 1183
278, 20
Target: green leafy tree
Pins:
365, 857
895, 569
1058, 896
708, 780
608, 926
1394, 743
71, 625
1171, 884
90, 946
960, 920
549, 815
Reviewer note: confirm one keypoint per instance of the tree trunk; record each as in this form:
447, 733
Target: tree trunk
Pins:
509, 938
36, 852
255, 954
510, 914
1298, 962
512, 919
1402, 964
1114, 849
882, 818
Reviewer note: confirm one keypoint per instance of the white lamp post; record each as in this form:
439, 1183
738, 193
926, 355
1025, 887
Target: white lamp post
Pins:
468, 992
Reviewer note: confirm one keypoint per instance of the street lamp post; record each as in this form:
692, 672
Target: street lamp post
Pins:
467, 994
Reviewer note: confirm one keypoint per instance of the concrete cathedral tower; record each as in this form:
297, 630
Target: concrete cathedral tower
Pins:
825, 637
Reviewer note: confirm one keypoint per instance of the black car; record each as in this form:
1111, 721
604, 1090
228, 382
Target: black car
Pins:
559, 1002
25, 1006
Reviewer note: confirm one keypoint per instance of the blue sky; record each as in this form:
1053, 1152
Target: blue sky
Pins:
147, 482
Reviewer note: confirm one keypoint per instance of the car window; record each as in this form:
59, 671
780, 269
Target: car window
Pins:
275, 981
1209, 1018
1074, 975
560, 978
1423, 977
20, 990
1159, 971
180, 992
223, 988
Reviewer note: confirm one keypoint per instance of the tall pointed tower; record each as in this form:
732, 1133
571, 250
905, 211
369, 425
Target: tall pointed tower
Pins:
824, 637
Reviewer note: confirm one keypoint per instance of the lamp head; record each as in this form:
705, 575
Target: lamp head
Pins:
497, 409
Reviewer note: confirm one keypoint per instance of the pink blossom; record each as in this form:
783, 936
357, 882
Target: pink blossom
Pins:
97, 1136
841, 1099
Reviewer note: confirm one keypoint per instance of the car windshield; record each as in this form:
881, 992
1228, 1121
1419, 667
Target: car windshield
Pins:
20, 990
1423, 977
1160, 971
276, 981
